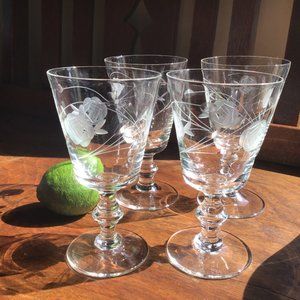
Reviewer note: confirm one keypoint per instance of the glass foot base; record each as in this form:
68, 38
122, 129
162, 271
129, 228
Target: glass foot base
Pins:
246, 204
164, 196
229, 261
83, 257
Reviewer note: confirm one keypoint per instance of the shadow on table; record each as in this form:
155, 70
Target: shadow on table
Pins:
30, 263
181, 206
184, 205
19, 208
278, 168
12, 194
35, 215
278, 276
157, 254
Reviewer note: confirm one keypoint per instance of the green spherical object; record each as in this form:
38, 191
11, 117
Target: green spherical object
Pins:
60, 192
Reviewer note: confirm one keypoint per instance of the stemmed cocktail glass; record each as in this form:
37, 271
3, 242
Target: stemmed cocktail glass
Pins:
148, 194
105, 114
241, 202
221, 119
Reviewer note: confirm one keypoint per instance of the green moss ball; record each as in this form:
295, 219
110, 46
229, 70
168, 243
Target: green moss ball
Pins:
60, 192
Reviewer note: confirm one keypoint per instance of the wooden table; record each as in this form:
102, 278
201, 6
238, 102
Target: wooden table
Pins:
33, 243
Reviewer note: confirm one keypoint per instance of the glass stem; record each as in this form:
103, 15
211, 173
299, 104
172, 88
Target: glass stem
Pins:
210, 213
107, 213
148, 170
230, 198
227, 160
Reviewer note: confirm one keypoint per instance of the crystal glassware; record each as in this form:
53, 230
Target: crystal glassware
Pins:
105, 114
148, 194
221, 118
241, 203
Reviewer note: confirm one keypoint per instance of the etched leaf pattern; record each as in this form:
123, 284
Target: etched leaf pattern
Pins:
163, 100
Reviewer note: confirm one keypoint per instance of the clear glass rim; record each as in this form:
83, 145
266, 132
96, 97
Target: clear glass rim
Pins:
172, 75
284, 61
181, 59
153, 74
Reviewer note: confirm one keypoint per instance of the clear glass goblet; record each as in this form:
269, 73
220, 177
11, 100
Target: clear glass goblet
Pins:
105, 114
221, 118
241, 203
148, 194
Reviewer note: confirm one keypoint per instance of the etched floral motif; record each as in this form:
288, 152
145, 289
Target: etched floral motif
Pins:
94, 109
224, 114
248, 81
116, 90
194, 126
79, 130
131, 132
98, 128
252, 137
84, 122
128, 133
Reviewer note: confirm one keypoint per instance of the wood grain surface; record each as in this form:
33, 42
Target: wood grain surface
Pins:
33, 242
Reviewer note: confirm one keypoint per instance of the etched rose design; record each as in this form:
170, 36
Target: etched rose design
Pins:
84, 122
131, 132
78, 128
128, 133
253, 136
94, 109
224, 114
98, 128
